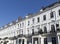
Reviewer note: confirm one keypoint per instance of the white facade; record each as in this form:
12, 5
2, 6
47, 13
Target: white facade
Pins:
38, 28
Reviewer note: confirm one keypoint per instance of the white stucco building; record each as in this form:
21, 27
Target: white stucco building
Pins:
42, 27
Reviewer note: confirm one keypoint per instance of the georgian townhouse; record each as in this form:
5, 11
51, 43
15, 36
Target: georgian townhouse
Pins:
42, 27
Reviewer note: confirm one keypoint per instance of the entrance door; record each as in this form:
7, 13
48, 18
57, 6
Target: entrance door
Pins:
45, 41
35, 41
19, 41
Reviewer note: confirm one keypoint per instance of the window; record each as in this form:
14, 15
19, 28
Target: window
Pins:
38, 19
35, 40
20, 24
44, 17
33, 20
28, 23
19, 41
45, 29
59, 12
57, 25
23, 41
51, 14
52, 28
32, 31
45, 40
53, 40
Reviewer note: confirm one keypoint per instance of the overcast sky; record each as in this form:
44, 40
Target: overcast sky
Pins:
11, 9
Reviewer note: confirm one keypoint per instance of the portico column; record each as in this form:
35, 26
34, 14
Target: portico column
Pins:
25, 41
58, 40
42, 40
32, 40
39, 40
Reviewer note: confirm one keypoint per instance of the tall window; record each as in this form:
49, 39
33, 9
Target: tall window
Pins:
33, 20
59, 12
20, 24
35, 40
28, 23
57, 25
51, 14
53, 40
45, 29
32, 31
23, 41
38, 19
45, 40
52, 28
44, 17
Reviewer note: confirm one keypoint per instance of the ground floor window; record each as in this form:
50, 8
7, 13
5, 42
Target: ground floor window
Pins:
45, 40
21, 41
53, 40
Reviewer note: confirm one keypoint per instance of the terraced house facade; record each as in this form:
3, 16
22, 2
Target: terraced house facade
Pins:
42, 27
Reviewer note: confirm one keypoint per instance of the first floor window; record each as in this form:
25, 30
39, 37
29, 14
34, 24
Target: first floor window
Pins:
45, 29
52, 28
45, 40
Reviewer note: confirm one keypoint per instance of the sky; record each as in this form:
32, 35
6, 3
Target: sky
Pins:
11, 9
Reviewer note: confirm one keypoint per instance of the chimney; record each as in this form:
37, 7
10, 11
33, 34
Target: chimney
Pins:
19, 18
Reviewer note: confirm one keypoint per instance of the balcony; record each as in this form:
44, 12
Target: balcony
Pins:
38, 32
50, 33
5, 38
13, 38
